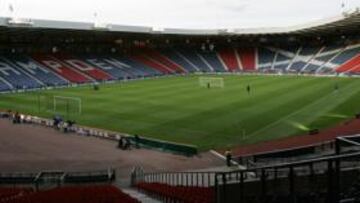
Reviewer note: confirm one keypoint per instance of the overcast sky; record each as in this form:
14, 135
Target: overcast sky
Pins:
181, 13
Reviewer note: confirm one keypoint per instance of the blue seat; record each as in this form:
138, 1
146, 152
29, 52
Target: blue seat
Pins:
16, 77
213, 61
41, 73
346, 55
177, 58
193, 57
99, 62
4, 87
134, 68
265, 56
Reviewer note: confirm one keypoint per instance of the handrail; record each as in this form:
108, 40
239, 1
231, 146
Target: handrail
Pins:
301, 162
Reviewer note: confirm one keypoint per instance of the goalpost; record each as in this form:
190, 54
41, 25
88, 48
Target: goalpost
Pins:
211, 82
68, 105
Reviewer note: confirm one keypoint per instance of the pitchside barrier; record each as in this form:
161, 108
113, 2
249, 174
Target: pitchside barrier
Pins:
184, 149
177, 148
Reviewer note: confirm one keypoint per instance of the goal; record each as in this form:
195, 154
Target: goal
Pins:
67, 105
211, 82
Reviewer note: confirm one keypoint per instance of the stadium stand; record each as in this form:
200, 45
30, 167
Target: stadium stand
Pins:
61, 69
85, 68
175, 68
44, 75
152, 63
179, 193
112, 70
23, 72
4, 86
308, 179
281, 61
193, 57
134, 67
17, 77
212, 60
229, 58
266, 58
352, 65
248, 58
69, 194
7, 194
179, 59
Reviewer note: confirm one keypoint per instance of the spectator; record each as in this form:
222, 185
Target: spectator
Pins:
228, 158
137, 141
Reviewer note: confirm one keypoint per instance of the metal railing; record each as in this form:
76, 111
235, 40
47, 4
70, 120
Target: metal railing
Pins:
196, 179
329, 167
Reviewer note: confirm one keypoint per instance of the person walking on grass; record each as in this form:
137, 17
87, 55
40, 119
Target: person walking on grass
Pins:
248, 89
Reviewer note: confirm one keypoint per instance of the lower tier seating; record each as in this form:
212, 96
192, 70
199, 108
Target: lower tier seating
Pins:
188, 194
73, 194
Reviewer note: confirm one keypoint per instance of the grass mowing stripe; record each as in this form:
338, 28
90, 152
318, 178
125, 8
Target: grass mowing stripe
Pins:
178, 109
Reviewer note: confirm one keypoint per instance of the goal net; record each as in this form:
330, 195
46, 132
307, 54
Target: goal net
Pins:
211, 82
67, 105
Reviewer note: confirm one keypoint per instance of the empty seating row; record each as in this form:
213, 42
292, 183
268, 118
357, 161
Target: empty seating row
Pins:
195, 59
179, 59
186, 194
7, 194
73, 194
16, 77
36, 71
213, 61
230, 59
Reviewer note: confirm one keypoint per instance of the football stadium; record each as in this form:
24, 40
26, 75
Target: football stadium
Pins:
94, 112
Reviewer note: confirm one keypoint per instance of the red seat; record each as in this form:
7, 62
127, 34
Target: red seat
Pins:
76, 194
180, 193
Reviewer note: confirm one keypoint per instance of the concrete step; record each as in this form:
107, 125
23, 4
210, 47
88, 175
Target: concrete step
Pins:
139, 196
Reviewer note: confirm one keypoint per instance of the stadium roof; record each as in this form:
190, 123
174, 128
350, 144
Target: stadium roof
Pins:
344, 23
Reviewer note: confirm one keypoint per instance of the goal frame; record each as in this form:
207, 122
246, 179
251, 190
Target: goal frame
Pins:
76, 99
213, 81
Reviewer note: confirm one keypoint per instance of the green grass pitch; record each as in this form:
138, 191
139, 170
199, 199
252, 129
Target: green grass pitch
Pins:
178, 109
